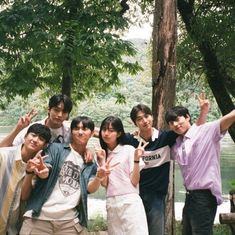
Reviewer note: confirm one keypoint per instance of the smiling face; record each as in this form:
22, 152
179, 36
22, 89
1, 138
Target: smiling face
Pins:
32, 144
56, 116
180, 125
144, 121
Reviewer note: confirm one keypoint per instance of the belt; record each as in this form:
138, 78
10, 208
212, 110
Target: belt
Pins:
198, 191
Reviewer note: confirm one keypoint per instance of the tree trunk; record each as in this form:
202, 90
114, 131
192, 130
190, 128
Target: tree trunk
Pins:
164, 59
69, 44
67, 80
68, 62
164, 80
216, 76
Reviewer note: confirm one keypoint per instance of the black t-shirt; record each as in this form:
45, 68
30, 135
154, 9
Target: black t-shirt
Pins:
155, 175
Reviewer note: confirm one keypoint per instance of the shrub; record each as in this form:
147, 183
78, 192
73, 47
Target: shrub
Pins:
96, 224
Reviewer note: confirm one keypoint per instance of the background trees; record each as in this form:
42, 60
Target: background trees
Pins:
208, 49
69, 46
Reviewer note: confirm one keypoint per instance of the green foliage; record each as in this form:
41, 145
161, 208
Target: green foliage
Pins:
100, 224
97, 224
212, 25
232, 184
54, 44
136, 89
218, 229
99, 194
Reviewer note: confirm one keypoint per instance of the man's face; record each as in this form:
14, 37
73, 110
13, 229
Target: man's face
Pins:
57, 115
180, 125
80, 134
144, 121
33, 142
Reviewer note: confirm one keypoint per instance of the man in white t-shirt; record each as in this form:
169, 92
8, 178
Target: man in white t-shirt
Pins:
59, 108
58, 204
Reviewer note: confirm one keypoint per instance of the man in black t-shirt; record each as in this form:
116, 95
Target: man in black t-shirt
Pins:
154, 178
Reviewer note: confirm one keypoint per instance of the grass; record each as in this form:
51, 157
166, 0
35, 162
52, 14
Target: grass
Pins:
100, 224
218, 229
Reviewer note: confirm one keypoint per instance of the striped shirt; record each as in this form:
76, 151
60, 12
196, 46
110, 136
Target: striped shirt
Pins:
12, 171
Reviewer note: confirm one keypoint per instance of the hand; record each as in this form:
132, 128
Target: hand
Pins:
139, 151
101, 156
25, 120
42, 171
38, 166
88, 156
203, 103
105, 169
136, 133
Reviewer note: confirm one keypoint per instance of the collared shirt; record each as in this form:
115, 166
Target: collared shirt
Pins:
120, 176
154, 177
12, 171
153, 137
64, 133
198, 155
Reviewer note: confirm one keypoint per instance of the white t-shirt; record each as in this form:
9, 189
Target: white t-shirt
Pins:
63, 132
66, 193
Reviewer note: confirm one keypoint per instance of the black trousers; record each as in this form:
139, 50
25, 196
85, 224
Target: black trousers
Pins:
199, 213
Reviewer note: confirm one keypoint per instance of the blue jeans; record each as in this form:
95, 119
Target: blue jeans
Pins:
154, 205
199, 213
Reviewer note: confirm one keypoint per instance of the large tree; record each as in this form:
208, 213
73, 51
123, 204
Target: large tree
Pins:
68, 46
164, 80
208, 47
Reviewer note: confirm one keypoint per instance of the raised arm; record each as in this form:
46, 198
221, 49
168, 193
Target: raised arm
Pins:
135, 174
227, 121
34, 167
204, 109
21, 124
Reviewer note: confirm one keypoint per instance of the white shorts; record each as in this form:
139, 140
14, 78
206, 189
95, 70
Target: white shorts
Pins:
126, 215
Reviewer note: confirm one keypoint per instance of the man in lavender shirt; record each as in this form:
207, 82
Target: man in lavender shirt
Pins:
197, 151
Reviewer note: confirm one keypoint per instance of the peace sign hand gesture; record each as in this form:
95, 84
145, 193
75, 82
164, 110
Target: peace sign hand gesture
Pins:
139, 151
101, 156
25, 120
203, 102
37, 166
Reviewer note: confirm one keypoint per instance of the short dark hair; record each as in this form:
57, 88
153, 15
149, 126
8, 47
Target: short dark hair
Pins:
177, 111
86, 122
40, 130
57, 99
117, 125
139, 107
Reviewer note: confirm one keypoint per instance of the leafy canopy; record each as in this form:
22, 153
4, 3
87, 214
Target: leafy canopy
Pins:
54, 44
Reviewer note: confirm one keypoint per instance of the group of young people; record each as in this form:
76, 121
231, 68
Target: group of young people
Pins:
46, 176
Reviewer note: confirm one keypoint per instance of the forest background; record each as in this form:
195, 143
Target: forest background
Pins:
77, 48
135, 88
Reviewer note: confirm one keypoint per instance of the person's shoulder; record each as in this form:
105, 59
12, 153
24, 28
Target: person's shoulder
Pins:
58, 147
167, 133
8, 149
131, 139
128, 147
207, 125
66, 124
11, 151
